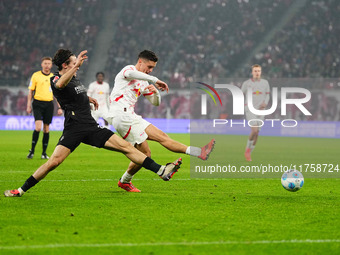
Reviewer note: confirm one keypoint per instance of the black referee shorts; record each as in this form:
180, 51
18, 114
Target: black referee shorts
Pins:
93, 134
43, 110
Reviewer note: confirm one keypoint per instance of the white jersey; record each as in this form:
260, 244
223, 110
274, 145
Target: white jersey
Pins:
130, 84
260, 91
101, 93
126, 90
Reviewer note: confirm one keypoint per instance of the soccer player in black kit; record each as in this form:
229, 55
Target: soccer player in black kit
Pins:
80, 127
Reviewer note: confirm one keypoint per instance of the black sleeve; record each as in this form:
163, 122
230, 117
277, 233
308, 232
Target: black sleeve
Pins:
54, 80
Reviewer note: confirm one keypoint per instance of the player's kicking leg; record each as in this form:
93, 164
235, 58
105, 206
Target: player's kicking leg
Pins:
157, 135
251, 143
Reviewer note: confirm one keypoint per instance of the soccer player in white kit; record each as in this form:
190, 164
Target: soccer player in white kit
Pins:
260, 95
100, 90
130, 83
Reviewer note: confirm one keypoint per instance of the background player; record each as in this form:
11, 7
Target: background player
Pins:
130, 83
100, 90
260, 95
80, 127
40, 89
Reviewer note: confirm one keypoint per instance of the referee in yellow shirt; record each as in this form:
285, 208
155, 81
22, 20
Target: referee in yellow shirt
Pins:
40, 89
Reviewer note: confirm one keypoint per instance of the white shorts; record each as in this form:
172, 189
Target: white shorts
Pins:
96, 114
257, 120
130, 126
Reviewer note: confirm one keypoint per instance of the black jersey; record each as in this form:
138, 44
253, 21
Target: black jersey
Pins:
73, 100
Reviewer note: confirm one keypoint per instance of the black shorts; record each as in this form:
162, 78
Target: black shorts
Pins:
93, 134
43, 110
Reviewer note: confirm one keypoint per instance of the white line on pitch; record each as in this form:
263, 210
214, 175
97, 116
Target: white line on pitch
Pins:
95, 245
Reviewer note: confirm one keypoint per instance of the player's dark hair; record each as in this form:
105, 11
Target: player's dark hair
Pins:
148, 55
62, 56
46, 58
99, 74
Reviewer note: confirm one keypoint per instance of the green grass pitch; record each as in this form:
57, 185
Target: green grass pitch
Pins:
78, 208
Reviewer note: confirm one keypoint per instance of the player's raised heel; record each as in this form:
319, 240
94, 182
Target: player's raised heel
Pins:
128, 187
207, 149
12, 193
170, 169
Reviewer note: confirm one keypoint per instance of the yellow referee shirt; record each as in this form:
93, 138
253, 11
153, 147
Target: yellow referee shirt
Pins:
40, 83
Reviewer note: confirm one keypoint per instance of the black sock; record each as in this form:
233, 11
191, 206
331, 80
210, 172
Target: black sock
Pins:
35, 138
151, 165
29, 183
46, 137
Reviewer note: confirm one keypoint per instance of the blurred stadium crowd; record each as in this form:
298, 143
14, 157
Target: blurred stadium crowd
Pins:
195, 41
33, 29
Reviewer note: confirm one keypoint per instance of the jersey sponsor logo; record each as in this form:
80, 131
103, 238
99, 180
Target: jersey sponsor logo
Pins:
80, 89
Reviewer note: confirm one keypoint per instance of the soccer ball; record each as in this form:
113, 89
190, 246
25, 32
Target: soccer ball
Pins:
292, 180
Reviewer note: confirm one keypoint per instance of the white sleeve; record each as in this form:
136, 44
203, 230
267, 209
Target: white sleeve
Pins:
154, 98
136, 75
266, 100
244, 87
108, 95
90, 91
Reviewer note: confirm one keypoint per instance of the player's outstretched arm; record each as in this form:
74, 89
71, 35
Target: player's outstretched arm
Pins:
137, 75
66, 78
